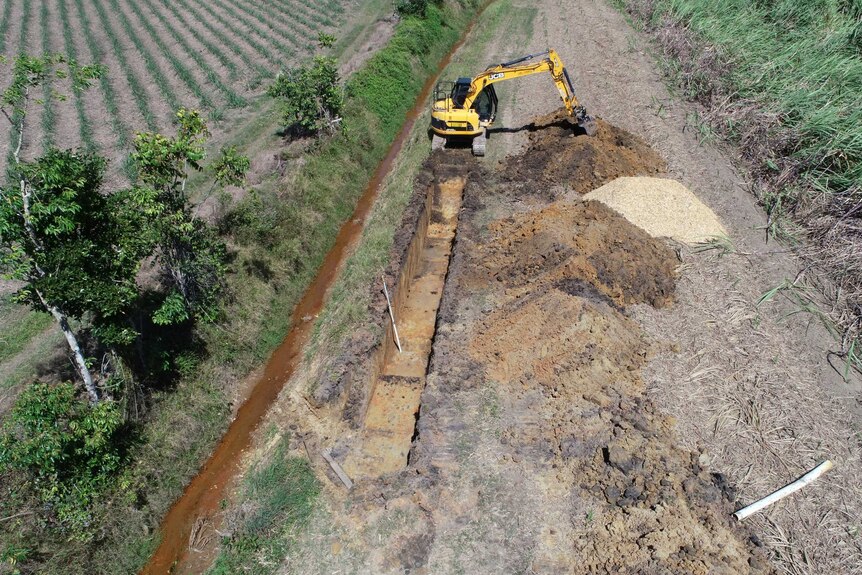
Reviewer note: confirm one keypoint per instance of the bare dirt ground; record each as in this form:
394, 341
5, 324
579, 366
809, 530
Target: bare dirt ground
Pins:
599, 401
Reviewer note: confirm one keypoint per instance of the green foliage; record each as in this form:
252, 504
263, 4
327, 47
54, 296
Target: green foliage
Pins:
230, 167
163, 161
325, 40
69, 449
88, 242
189, 251
311, 98
31, 71
413, 7
282, 492
18, 331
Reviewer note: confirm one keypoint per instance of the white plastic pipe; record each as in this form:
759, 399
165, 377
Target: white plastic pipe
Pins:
391, 315
784, 491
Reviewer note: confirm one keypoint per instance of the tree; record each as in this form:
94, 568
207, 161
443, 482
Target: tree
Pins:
69, 449
58, 233
310, 96
189, 251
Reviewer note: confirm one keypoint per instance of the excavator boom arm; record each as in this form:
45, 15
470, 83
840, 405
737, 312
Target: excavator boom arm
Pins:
515, 69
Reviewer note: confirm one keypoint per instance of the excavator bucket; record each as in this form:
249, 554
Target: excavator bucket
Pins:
588, 125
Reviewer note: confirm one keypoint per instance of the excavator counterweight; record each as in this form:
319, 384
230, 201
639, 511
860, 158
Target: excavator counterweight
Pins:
467, 107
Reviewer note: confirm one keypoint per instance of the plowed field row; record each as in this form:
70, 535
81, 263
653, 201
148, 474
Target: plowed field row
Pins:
160, 55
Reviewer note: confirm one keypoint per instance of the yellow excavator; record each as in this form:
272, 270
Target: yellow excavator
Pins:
467, 107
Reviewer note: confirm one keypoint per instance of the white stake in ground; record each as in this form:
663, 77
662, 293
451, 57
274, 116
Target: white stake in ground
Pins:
784, 491
391, 314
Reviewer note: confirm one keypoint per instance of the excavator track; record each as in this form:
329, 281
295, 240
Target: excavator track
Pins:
479, 144
437, 142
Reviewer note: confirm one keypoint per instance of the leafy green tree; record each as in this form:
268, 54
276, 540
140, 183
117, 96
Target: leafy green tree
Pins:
69, 243
311, 97
70, 450
189, 252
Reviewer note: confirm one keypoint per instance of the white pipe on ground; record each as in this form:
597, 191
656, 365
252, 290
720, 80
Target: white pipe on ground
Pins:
784, 491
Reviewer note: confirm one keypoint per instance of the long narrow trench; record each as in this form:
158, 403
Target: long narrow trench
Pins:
390, 418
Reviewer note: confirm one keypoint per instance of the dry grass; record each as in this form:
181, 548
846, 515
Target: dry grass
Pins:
756, 83
746, 391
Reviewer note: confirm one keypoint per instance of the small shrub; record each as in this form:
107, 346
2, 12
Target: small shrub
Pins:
310, 96
69, 449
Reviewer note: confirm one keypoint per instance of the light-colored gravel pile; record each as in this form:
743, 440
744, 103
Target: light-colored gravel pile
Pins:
661, 207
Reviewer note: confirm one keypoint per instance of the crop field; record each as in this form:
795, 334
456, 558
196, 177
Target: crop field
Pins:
215, 56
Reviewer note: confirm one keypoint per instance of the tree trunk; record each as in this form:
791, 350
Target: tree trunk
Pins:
81, 363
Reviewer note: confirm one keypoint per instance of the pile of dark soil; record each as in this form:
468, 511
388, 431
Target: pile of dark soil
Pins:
558, 155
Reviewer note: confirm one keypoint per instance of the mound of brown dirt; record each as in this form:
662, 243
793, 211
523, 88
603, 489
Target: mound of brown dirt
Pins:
557, 156
647, 506
581, 248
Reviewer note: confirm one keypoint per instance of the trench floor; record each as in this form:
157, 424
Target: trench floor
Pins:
390, 419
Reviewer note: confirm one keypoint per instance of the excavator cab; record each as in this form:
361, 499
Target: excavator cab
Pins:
452, 117
485, 104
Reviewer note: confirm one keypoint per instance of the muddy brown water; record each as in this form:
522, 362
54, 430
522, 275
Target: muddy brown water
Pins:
202, 496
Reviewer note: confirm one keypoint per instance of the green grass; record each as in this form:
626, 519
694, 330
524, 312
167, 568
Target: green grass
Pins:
234, 100
266, 18
18, 331
49, 114
168, 92
281, 491
783, 79
121, 129
85, 128
256, 28
188, 27
800, 60
4, 25
212, 15
313, 15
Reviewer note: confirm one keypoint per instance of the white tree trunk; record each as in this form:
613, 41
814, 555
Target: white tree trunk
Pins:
80, 361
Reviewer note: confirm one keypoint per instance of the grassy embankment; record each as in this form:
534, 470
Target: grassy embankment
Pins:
278, 235
783, 79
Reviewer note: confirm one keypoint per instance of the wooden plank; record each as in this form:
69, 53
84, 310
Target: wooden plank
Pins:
337, 469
